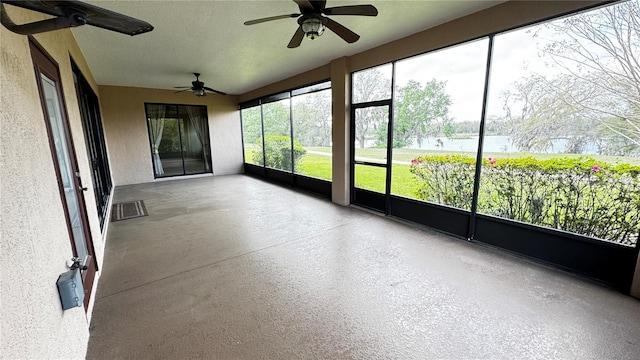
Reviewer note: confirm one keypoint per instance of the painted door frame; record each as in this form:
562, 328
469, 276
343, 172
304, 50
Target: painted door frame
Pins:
44, 64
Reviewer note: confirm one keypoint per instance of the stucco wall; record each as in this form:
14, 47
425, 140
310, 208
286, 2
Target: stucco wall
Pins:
127, 135
34, 241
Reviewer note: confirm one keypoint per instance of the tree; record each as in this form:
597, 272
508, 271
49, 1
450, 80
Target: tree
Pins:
251, 124
421, 112
312, 118
538, 115
601, 51
275, 118
367, 86
278, 152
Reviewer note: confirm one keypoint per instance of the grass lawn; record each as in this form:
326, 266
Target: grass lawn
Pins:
403, 183
408, 154
367, 177
317, 166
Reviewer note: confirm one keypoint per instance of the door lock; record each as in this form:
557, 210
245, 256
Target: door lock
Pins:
77, 264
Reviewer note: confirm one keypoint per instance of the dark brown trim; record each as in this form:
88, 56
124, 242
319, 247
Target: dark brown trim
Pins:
44, 64
207, 148
93, 131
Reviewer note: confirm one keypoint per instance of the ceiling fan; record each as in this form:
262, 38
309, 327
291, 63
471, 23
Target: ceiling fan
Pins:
198, 88
313, 19
69, 13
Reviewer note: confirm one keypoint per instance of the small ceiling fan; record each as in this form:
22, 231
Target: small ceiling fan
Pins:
312, 20
198, 87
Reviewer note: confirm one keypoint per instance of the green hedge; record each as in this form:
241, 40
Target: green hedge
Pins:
278, 152
580, 195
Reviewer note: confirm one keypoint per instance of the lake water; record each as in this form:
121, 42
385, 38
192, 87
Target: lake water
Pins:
497, 143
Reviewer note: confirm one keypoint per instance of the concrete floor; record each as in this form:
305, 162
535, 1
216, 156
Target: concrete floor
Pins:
233, 267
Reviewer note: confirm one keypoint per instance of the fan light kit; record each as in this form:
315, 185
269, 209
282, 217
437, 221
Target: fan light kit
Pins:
313, 19
198, 88
312, 26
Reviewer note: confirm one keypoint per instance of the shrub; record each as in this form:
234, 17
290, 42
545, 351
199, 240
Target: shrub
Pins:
579, 195
278, 152
445, 179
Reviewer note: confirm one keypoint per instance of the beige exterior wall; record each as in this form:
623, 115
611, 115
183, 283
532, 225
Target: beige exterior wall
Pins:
34, 241
340, 135
312, 76
127, 136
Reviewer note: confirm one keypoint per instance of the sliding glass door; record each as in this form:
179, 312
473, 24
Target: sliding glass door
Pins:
179, 139
96, 146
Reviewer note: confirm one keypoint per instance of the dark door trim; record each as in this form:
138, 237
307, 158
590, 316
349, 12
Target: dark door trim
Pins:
362, 197
96, 146
44, 64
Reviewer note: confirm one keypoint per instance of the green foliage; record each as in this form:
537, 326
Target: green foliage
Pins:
170, 142
580, 195
445, 179
312, 118
275, 117
421, 112
251, 124
277, 150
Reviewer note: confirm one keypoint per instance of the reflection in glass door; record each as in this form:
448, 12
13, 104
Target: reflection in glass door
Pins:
370, 156
65, 166
179, 138
96, 146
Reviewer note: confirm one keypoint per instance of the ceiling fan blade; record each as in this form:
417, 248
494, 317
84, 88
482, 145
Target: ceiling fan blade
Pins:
93, 15
305, 6
187, 89
346, 34
214, 91
319, 5
362, 10
258, 21
182, 87
296, 40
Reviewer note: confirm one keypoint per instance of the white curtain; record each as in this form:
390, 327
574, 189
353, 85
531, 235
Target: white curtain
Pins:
198, 119
156, 123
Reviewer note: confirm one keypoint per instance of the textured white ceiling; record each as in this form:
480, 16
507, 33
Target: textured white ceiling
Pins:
209, 37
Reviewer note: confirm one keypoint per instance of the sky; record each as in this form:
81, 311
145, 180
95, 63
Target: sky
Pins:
516, 54
463, 67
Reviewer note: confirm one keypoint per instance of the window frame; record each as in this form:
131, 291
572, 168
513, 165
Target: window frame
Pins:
179, 120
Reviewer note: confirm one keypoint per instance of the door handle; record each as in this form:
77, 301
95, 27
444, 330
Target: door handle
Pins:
80, 182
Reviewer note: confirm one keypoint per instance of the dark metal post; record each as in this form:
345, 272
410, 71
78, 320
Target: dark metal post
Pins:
387, 194
264, 153
476, 181
291, 131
